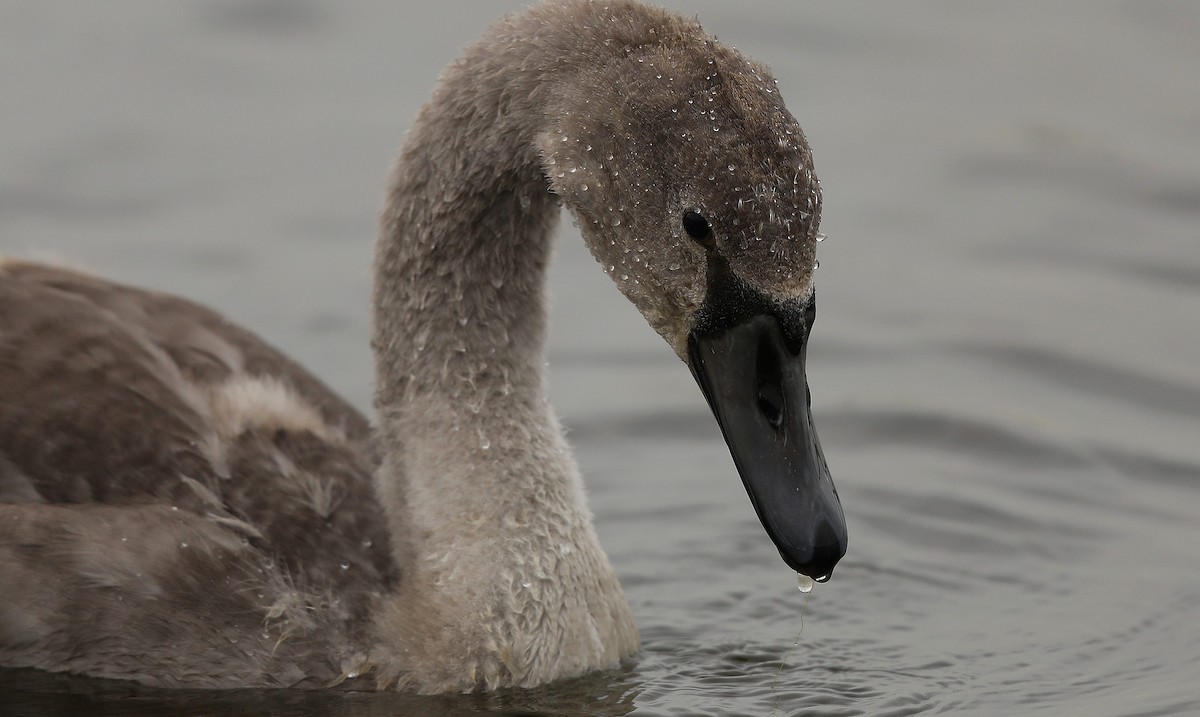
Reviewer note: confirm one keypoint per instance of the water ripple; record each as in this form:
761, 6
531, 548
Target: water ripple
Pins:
1093, 377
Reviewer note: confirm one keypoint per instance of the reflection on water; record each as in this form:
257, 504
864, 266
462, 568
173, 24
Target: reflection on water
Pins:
1004, 373
34, 693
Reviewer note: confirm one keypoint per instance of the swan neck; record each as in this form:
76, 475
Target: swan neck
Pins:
485, 502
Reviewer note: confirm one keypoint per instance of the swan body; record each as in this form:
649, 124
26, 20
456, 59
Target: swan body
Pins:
182, 505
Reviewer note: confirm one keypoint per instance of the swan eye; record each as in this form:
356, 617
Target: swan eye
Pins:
697, 227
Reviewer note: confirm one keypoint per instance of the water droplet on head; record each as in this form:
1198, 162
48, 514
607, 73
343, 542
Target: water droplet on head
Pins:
821, 237
344, 566
804, 582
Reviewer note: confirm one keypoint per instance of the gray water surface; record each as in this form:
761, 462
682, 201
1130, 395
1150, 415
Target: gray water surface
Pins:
1006, 369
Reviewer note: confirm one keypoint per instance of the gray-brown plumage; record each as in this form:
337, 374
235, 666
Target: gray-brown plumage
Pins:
156, 479
180, 504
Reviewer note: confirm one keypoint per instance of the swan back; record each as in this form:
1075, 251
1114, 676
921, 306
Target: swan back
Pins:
169, 479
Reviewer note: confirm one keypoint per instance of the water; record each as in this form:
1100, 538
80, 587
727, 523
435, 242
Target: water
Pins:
1004, 371
804, 582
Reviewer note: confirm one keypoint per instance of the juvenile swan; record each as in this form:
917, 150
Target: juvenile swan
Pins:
181, 505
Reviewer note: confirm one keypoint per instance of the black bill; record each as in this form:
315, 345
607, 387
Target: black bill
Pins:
749, 358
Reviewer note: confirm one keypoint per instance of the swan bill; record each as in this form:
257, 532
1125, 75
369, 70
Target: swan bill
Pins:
749, 359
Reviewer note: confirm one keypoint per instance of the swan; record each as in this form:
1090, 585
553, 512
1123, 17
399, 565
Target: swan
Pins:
183, 506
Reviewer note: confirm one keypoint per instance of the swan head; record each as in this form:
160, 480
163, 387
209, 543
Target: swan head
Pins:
693, 186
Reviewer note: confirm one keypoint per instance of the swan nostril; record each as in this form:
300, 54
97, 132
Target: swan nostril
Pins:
769, 377
770, 403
